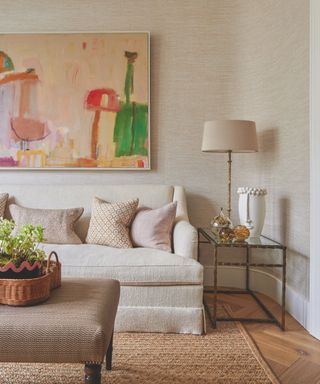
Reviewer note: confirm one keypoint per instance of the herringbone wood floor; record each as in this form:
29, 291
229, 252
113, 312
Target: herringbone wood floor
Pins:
293, 355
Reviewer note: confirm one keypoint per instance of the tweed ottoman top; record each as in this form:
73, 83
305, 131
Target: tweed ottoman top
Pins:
74, 326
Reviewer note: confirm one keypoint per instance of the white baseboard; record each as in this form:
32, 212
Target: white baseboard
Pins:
262, 282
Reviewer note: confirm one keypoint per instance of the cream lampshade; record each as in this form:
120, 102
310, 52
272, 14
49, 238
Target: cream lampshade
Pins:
227, 136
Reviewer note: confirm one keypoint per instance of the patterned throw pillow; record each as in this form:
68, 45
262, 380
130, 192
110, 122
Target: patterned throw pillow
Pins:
109, 223
3, 202
58, 224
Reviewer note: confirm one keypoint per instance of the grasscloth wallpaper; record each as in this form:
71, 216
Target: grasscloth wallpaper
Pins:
240, 59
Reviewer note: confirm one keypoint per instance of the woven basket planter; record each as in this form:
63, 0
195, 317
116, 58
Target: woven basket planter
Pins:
24, 271
22, 292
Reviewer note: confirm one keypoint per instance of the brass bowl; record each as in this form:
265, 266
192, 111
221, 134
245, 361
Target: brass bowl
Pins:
241, 233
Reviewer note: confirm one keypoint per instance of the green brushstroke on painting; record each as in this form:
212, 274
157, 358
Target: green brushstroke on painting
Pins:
140, 124
131, 125
128, 88
123, 130
130, 132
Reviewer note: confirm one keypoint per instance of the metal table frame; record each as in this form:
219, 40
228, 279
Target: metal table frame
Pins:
213, 240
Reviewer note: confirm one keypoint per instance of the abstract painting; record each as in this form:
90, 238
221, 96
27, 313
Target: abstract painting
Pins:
74, 101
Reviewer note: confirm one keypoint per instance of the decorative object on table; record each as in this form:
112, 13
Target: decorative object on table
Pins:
20, 256
96, 116
24, 292
226, 234
54, 270
241, 233
252, 209
220, 221
227, 136
25, 276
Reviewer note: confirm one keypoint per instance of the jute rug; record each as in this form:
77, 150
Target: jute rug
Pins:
226, 355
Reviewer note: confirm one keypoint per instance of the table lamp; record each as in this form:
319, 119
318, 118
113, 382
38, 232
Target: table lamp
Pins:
227, 136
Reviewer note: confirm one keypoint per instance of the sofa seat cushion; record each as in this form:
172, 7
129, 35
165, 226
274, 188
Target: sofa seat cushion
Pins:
133, 266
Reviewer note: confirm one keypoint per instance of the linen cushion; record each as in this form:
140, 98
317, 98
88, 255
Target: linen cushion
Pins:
152, 228
58, 224
132, 266
3, 202
109, 223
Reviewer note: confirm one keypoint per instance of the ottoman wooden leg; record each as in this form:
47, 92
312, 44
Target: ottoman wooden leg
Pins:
92, 374
109, 354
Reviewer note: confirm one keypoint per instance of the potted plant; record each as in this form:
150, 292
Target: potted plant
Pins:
20, 255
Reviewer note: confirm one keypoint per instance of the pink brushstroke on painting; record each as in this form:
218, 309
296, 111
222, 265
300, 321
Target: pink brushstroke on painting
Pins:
8, 162
27, 130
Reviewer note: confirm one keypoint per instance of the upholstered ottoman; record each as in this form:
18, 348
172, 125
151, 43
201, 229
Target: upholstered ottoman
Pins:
74, 326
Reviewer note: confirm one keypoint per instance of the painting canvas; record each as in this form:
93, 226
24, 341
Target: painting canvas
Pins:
74, 100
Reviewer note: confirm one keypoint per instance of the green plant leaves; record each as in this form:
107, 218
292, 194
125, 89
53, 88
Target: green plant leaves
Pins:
22, 246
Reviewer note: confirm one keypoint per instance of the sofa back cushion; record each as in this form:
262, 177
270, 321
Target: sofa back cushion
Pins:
58, 224
67, 196
110, 222
152, 228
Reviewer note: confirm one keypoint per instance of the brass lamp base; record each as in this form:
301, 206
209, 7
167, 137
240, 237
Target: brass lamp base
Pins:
229, 184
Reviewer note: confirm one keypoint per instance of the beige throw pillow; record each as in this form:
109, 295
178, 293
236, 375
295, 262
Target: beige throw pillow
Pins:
3, 203
109, 223
58, 224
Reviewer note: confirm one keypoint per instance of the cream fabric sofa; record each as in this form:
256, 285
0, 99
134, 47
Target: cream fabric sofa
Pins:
160, 291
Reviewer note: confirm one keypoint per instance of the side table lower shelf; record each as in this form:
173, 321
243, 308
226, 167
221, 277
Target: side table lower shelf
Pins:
214, 318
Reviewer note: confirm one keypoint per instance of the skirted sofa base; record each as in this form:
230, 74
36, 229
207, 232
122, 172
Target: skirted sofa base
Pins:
165, 320
160, 292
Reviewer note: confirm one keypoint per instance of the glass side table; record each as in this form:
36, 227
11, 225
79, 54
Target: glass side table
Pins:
205, 235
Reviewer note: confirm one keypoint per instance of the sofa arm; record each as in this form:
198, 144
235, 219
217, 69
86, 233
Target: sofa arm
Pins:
185, 239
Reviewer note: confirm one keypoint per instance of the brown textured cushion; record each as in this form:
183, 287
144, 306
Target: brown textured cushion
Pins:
74, 326
152, 228
109, 224
58, 224
3, 202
